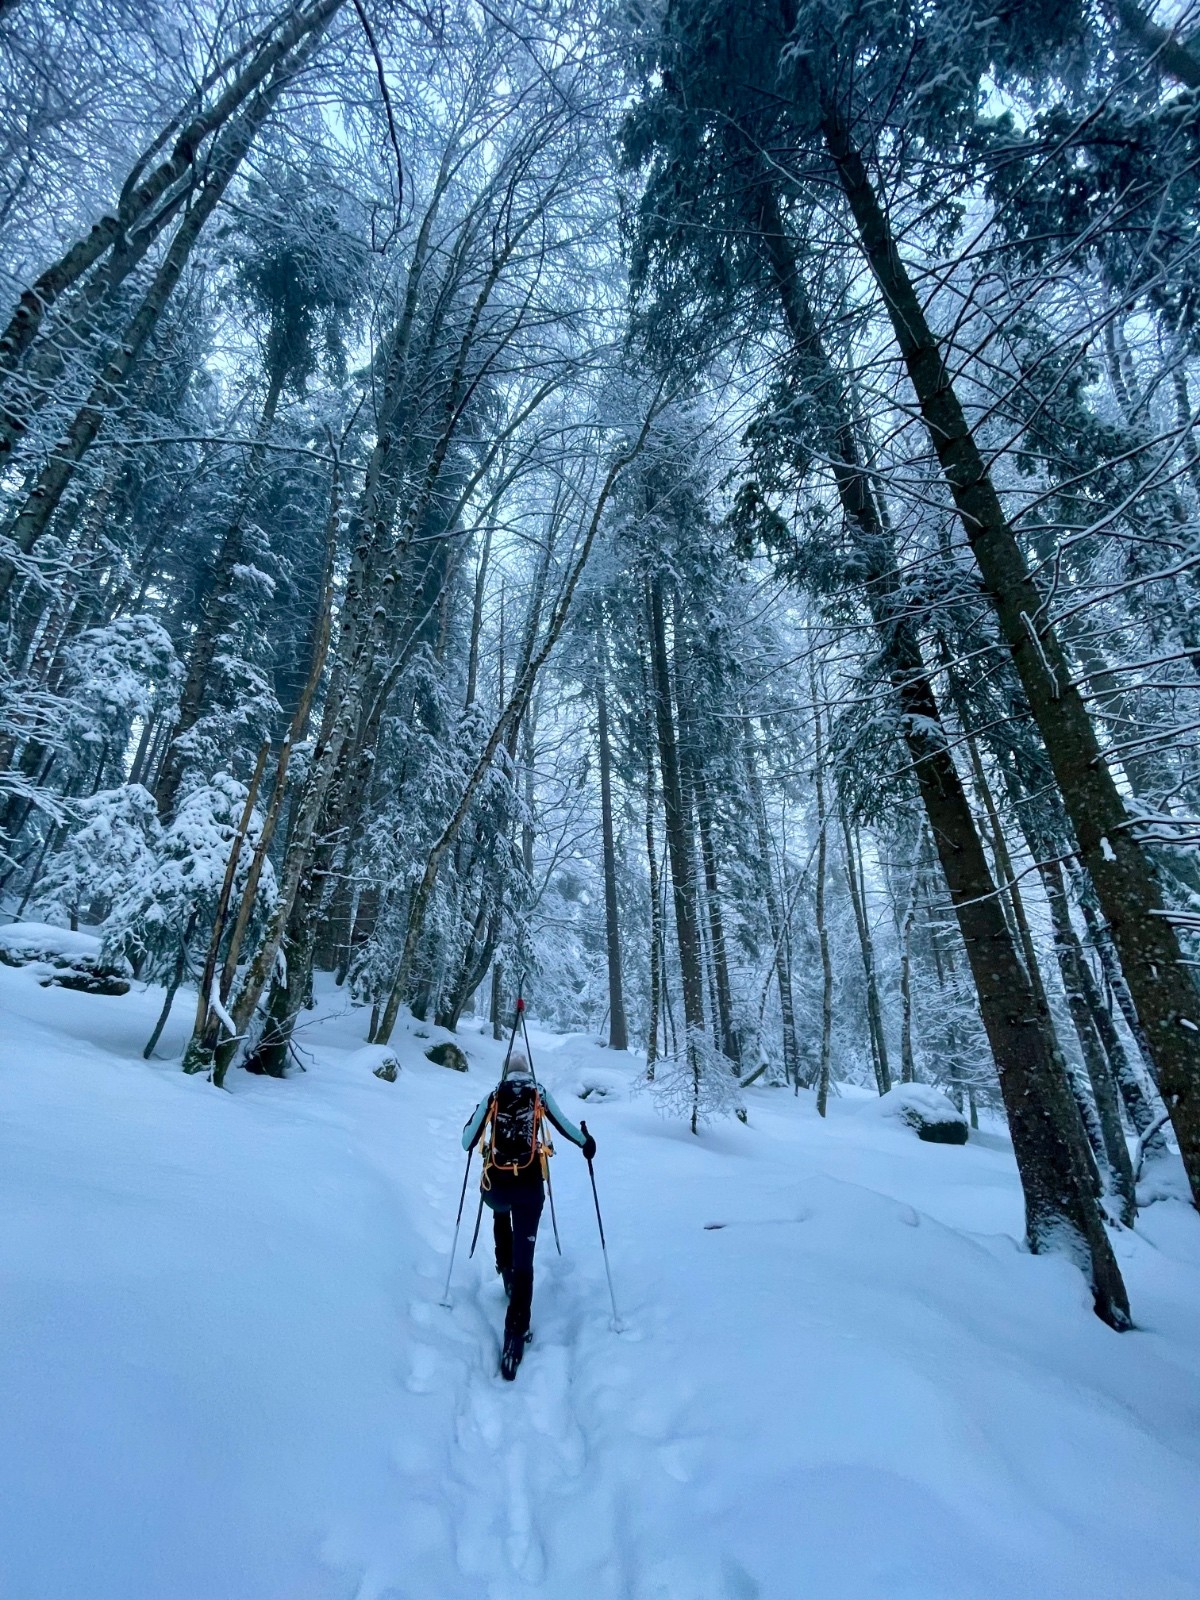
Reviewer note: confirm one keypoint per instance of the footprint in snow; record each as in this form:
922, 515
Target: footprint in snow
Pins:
482, 1415
680, 1459
523, 1546
475, 1538
425, 1368
550, 1412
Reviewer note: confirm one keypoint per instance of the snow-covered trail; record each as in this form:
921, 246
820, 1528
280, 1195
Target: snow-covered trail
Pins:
225, 1374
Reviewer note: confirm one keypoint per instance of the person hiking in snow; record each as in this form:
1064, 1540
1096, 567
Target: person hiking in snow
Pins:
508, 1122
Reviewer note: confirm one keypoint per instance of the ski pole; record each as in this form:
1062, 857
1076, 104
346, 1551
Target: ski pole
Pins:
478, 1219
525, 1030
616, 1321
518, 1019
549, 1185
445, 1300
553, 1215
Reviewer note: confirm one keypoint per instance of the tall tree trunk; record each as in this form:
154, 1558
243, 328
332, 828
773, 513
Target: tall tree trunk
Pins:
1140, 1097
204, 1003
340, 717
656, 932
1061, 1210
694, 795
822, 920
857, 885
497, 1006
1090, 1126
681, 851
781, 945
907, 1063
730, 1045
1119, 866
618, 1032
477, 619
1091, 1048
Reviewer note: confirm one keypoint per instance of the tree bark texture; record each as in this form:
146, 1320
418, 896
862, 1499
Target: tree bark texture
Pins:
1119, 866
1060, 1202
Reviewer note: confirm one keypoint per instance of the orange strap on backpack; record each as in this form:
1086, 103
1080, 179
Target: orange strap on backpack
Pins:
485, 1144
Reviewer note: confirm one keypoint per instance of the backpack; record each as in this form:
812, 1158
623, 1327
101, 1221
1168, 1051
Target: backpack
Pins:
516, 1119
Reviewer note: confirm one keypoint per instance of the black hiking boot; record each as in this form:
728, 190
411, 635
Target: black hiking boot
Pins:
514, 1349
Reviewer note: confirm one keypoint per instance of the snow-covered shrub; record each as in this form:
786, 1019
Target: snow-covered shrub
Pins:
696, 1083
110, 853
175, 902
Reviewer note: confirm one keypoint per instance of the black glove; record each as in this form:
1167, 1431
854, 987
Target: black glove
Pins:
589, 1144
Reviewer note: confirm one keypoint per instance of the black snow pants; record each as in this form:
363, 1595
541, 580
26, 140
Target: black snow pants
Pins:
516, 1205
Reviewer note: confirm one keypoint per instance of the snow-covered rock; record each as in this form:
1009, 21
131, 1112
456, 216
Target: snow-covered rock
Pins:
378, 1059
62, 959
600, 1083
22, 942
447, 1054
932, 1115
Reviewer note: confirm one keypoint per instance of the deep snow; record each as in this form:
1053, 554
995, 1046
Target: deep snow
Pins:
225, 1374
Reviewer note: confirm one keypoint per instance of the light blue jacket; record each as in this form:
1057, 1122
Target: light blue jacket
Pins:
550, 1106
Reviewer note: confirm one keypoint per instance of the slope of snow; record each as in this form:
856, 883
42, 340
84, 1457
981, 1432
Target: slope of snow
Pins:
225, 1374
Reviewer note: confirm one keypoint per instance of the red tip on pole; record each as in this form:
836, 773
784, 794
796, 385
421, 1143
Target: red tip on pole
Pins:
520, 1004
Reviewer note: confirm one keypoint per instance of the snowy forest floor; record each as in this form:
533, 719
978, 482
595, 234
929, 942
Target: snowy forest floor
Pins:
225, 1374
